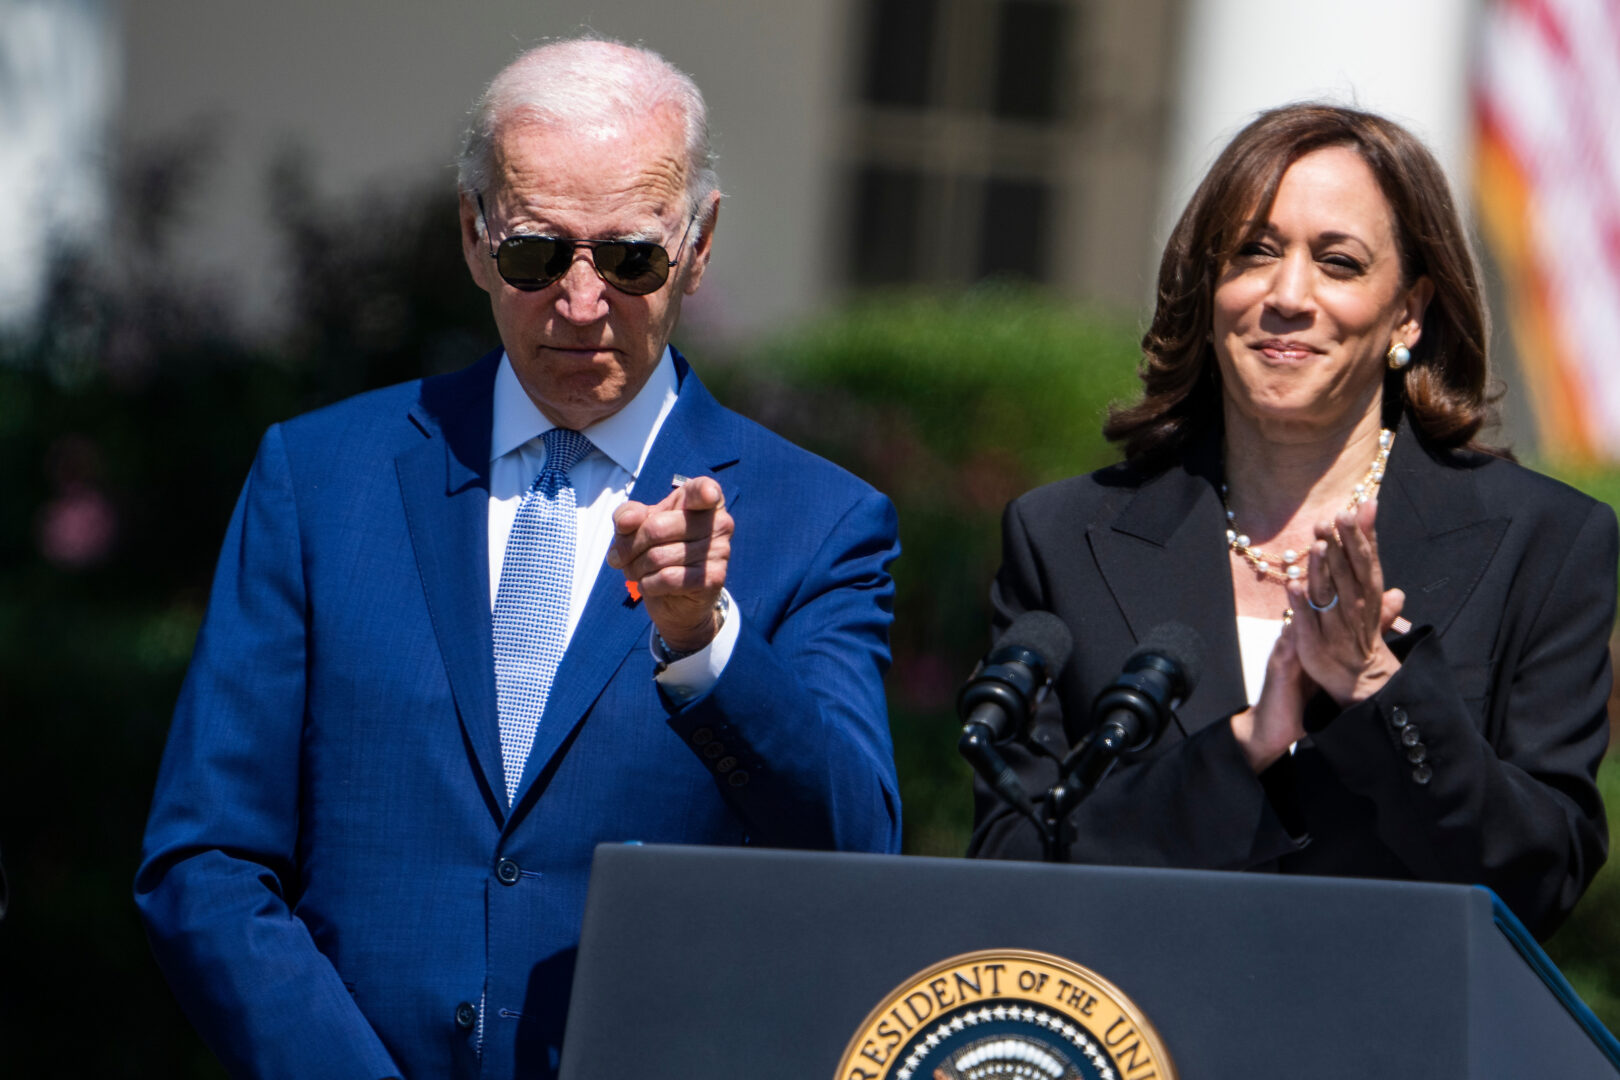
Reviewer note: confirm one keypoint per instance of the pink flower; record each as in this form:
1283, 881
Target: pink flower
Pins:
76, 529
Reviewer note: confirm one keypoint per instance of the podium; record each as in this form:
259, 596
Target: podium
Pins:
711, 962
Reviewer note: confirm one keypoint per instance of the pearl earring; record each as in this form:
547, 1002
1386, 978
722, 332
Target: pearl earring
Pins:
1398, 356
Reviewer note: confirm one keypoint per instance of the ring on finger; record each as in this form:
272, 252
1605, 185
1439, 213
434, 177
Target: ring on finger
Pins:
1321, 608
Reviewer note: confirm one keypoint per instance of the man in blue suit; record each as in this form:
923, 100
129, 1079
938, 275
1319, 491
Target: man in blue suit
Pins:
465, 629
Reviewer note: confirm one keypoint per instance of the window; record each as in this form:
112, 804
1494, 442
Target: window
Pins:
960, 139
885, 247
1014, 226
899, 47
1029, 47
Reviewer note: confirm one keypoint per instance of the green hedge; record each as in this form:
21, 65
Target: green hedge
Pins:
1588, 947
134, 397
952, 405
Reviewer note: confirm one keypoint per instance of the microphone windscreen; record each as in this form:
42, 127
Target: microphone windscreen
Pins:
1181, 645
1043, 634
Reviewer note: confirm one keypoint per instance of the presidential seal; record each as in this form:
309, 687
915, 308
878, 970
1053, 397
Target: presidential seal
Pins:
1006, 1015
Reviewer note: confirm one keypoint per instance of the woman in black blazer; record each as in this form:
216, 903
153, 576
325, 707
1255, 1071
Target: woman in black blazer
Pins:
1406, 661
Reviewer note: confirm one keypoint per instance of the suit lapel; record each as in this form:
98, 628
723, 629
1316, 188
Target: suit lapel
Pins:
1435, 537
1164, 558
1435, 541
444, 482
689, 444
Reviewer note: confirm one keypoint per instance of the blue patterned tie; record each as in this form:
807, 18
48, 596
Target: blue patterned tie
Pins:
531, 603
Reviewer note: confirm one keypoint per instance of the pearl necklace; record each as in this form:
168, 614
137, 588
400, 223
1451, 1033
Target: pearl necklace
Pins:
1290, 567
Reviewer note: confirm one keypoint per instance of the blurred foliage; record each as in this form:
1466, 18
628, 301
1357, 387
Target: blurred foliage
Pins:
1600, 482
1587, 948
952, 405
128, 418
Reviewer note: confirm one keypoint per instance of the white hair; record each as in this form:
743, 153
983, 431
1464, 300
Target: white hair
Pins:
590, 84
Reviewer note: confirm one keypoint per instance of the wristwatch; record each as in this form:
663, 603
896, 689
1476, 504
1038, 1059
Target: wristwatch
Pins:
667, 655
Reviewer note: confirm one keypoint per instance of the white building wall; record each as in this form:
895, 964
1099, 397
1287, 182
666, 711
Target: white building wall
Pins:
1405, 59
376, 92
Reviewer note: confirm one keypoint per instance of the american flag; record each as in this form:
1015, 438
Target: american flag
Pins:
1547, 189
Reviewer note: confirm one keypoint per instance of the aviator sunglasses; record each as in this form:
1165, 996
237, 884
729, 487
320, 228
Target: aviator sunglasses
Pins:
530, 263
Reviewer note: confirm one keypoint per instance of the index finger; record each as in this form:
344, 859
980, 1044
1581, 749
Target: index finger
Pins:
629, 517
698, 494
1366, 519
1361, 544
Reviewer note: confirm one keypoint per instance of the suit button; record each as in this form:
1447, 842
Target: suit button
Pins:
725, 765
702, 735
1409, 735
466, 1015
738, 778
713, 750
1417, 753
1397, 717
1422, 774
507, 872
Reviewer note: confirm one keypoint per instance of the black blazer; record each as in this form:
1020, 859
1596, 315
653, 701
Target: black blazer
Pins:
1510, 587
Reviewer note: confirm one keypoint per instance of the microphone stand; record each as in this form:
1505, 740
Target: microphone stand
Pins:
1078, 776
976, 746
1128, 716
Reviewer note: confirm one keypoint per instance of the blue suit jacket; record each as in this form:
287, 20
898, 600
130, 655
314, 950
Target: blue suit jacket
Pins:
330, 875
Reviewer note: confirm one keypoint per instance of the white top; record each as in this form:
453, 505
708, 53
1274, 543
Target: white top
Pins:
1256, 638
602, 481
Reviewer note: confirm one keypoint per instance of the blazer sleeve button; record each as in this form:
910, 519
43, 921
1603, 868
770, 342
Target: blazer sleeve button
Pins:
738, 778
466, 1015
1409, 735
1422, 774
1397, 717
713, 750
702, 735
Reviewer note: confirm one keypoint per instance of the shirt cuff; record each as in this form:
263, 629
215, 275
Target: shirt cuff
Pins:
695, 674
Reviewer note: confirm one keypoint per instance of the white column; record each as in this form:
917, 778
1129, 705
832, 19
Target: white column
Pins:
57, 69
1405, 59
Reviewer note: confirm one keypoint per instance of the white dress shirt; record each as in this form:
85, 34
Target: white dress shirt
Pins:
1256, 638
602, 480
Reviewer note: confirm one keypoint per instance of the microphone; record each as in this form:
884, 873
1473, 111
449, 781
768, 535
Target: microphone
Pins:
1002, 693
1131, 712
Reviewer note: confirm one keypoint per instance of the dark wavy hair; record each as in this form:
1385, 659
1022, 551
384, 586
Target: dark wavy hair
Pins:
1444, 389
